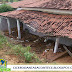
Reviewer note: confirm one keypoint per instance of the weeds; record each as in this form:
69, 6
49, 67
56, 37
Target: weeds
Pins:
3, 41
23, 52
19, 49
28, 48
28, 56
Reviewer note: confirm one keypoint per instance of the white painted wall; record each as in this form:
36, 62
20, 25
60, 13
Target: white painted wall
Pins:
4, 25
63, 40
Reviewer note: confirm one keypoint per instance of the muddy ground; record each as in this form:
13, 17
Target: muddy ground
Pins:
38, 46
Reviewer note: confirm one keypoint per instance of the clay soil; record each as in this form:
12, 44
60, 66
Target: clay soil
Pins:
38, 46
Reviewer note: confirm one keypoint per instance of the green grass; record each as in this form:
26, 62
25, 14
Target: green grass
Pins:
23, 52
3, 41
28, 56
5, 8
19, 50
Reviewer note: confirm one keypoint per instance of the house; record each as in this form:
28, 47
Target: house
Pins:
43, 18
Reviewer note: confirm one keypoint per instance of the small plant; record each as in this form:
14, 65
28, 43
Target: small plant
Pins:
17, 50
28, 48
28, 56
5, 8
20, 50
3, 41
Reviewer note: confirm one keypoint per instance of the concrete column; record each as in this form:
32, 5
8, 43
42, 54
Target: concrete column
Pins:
0, 24
56, 45
0, 20
9, 28
18, 27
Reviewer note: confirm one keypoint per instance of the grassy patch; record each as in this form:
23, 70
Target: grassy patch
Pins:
23, 52
4, 44
3, 41
28, 56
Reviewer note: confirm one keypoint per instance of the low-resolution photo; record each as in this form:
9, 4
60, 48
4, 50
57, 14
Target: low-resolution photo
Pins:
35, 35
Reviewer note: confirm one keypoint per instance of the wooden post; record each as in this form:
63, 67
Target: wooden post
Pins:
67, 50
18, 27
56, 45
9, 28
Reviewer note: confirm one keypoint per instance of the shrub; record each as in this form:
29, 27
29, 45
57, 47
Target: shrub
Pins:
28, 56
28, 48
5, 8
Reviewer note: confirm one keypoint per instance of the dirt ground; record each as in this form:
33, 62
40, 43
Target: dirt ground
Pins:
38, 46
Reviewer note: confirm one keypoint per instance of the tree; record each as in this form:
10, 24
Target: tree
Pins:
5, 8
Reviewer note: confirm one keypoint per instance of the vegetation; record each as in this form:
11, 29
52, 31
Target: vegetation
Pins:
5, 8
23, 52
2, 41
28, 56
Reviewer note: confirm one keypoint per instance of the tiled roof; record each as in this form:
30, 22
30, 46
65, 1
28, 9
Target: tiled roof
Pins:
58, 4
26, 3
47, 4
49, 24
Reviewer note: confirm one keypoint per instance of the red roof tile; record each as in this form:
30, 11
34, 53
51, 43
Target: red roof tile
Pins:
49, 4
25, 3
58, 4
49, 24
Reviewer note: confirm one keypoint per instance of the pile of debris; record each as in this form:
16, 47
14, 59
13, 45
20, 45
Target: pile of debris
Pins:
41, 46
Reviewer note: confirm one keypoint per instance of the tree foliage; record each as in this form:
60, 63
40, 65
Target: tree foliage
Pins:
5, 8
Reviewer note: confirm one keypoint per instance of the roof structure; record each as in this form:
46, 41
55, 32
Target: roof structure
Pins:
47, 4
49, 24
26, 3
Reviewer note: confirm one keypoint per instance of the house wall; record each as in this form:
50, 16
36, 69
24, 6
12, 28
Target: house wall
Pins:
62, 40
4, 25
